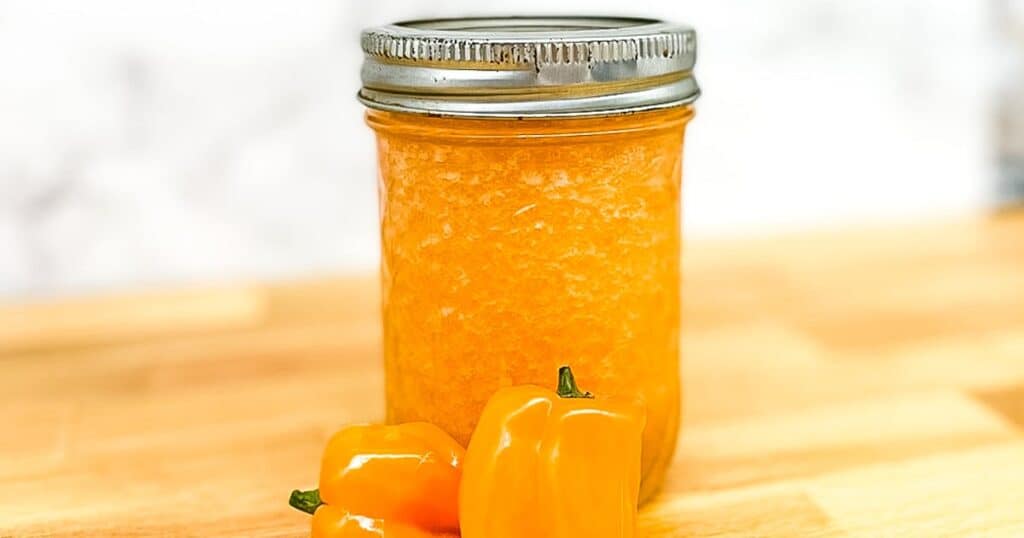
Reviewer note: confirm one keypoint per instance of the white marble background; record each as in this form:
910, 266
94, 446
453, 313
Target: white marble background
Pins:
149, 142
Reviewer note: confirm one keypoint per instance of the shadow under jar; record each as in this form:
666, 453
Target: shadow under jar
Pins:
530, 174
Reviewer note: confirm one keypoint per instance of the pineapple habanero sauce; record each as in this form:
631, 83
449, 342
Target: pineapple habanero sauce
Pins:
530, 175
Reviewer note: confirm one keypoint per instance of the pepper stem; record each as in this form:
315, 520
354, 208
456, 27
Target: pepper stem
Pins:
307, 501
567, 387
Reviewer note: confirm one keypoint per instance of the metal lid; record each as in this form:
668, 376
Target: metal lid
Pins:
528, 66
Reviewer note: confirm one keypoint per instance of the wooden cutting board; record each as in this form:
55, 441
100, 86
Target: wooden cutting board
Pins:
866, 383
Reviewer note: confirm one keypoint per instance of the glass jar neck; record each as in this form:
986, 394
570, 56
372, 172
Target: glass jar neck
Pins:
416, 125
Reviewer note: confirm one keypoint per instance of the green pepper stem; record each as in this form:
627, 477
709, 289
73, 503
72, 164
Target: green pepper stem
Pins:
307, 501
567, 387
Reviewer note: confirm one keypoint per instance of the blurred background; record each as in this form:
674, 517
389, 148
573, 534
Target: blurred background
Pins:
157, 143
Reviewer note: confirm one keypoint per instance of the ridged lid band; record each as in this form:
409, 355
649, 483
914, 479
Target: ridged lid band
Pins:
528, 67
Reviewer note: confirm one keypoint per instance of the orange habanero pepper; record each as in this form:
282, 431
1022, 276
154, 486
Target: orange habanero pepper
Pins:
545, 465
386, 481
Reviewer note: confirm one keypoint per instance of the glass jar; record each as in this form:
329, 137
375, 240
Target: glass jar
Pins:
530, 212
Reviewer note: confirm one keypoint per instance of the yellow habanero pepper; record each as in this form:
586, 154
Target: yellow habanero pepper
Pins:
386, 482
547, 465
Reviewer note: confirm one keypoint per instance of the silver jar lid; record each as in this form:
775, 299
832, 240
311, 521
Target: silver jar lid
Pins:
528, 66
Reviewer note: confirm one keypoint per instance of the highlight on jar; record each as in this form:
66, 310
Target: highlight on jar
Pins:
530, 177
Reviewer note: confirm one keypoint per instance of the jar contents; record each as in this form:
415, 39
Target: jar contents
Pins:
513, 246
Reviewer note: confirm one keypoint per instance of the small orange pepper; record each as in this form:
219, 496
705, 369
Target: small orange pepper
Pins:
552, 465
386, 481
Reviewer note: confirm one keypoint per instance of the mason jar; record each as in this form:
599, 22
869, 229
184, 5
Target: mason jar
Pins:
529, 183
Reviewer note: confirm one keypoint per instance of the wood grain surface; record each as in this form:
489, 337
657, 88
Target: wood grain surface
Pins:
866, 383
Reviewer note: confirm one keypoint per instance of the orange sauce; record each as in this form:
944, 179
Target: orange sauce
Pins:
512, 247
